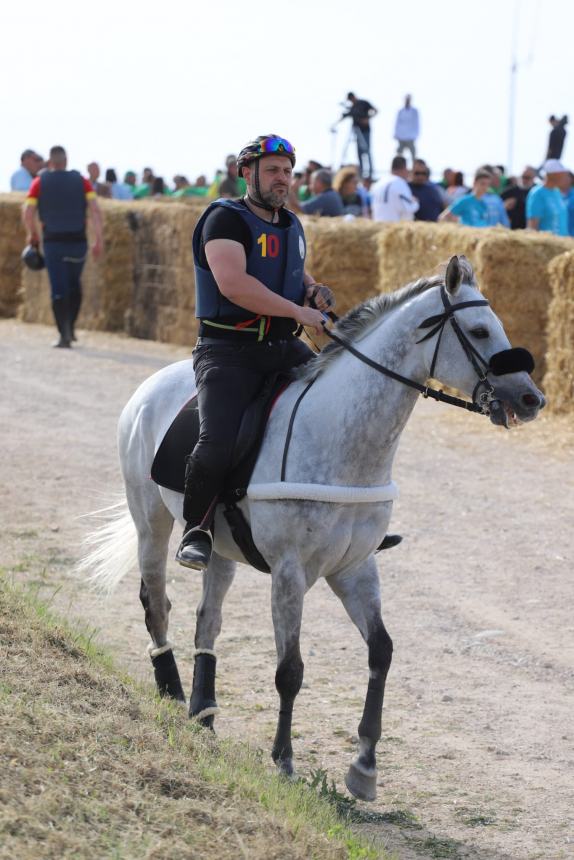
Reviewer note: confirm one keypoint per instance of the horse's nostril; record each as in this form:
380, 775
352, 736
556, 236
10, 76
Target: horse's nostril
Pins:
530, 400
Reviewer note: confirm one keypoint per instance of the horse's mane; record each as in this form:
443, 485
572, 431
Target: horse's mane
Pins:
361, 319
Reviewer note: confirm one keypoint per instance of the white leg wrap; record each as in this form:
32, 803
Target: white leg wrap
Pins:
204, 651
155, 652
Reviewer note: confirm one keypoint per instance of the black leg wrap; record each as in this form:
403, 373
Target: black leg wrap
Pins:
203, 691
167, 676
380, 655
288, 680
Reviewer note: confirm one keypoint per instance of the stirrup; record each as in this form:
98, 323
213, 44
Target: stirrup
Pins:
195, 549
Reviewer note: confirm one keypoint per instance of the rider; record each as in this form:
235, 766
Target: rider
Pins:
252, 297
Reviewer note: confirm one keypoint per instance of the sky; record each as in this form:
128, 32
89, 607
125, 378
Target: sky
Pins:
178, 86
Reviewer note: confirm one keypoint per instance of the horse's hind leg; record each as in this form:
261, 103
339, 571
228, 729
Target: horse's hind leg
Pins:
216, 581
360, 593
287, 593
154, 525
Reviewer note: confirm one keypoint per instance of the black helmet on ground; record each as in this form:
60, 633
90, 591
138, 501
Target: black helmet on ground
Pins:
32, 258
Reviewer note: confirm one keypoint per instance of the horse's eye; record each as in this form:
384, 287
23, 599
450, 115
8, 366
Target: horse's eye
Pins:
479, 332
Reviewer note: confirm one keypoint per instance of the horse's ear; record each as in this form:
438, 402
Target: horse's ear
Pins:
453, 275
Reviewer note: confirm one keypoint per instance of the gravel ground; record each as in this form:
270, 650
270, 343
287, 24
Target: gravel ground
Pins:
476, 759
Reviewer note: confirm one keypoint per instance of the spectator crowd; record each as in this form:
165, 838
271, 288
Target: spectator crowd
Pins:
538, 198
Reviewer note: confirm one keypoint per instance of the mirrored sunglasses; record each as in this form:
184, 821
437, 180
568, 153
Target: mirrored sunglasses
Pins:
276, 144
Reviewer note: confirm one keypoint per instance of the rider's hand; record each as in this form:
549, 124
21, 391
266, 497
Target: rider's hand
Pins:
309, 317
322, 296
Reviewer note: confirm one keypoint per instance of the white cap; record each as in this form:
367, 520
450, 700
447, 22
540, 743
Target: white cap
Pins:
553, 165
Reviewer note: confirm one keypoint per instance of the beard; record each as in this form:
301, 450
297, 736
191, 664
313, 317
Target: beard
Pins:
275, 197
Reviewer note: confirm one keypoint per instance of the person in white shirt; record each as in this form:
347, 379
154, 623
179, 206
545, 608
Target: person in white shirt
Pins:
407, 128
391, 198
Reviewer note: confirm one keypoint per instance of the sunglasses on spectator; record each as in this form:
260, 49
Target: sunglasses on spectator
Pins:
420, 173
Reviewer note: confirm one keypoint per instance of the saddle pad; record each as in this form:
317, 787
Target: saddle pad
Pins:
168, 468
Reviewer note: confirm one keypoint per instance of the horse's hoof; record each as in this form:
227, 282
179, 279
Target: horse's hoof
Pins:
285, 767
205, 717
361, 783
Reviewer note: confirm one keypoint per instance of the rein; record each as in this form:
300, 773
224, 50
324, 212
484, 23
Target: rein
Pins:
438, 322
511, 360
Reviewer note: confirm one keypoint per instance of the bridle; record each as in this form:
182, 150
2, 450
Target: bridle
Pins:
507, 361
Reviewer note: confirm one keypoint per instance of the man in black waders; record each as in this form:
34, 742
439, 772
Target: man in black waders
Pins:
63, 199
252, 294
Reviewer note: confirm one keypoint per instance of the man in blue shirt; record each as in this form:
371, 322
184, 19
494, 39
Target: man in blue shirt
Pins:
471, 210
545, 206
496, 213
427, 193
324, 201
30, 164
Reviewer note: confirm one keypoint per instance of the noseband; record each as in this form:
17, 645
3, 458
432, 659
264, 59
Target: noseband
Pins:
507, 361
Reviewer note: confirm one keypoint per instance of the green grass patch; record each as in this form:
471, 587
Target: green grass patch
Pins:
95, 765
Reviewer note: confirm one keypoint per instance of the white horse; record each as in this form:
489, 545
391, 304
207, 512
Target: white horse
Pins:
331, 512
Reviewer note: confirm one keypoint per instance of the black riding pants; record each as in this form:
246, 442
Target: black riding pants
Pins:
228, 376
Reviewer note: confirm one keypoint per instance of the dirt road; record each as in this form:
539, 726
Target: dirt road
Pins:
477, 758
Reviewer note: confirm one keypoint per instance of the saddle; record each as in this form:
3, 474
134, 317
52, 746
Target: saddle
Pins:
168, 467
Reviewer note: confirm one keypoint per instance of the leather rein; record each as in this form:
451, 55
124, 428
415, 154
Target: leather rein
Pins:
506, 361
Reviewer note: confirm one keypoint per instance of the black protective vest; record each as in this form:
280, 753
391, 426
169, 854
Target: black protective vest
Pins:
62, 205
277, 259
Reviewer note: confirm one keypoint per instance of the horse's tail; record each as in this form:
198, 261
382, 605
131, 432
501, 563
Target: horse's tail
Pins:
110, 550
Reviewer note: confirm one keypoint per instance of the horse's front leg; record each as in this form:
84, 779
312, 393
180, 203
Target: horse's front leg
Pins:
287, 593
360, 593
216, 581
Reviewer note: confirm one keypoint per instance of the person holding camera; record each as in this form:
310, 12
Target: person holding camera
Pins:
361, 111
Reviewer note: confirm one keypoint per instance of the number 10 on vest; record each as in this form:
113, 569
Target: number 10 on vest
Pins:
269, 244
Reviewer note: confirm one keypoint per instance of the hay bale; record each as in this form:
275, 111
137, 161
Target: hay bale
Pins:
163, 303
344, 255
513, 274
559, 379
107, 283
12, 240
412, 249
511, 270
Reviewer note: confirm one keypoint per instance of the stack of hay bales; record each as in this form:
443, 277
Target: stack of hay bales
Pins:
511, 270
163, 300
12, 240
559, 379
344, 255
513, 274
107, 283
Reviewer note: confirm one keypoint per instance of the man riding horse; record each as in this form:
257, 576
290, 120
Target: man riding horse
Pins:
252, 298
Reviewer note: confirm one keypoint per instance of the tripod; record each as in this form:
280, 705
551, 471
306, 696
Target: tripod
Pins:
350, 138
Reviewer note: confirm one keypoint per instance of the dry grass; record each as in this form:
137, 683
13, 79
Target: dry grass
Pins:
344, 255
163, 302
94, 767
513, 274
12, 240
559, 379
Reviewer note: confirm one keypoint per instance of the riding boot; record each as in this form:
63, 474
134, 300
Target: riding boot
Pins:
75, 303
198, 510
61, 311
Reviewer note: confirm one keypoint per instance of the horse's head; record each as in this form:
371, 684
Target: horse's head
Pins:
467, 348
